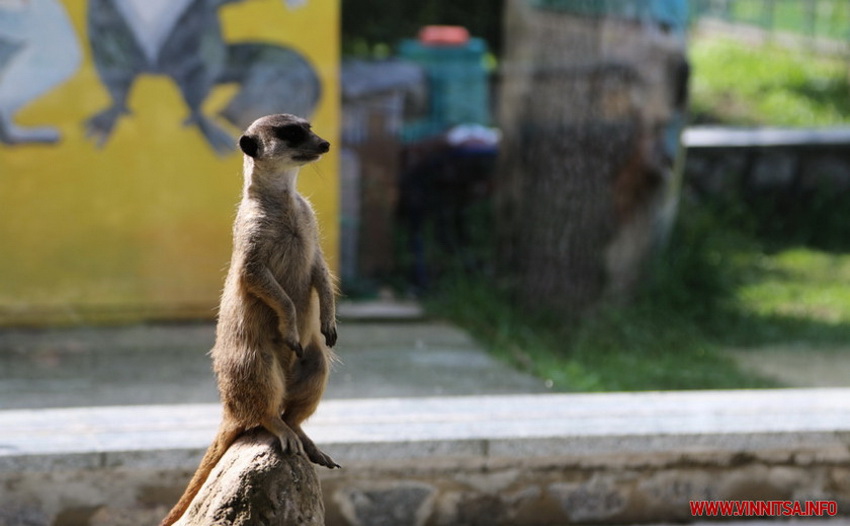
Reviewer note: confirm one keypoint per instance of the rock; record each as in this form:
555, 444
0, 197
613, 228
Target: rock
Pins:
773, 170
256, 484
596, 500
23, 517
398, 503
135, 516
825, 173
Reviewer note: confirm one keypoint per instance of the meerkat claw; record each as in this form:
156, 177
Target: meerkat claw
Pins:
296, 347
330, 336
291, 444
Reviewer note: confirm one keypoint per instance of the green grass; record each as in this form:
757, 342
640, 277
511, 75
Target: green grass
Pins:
741, 84
716, 287
802, 283
660, 341
796, 295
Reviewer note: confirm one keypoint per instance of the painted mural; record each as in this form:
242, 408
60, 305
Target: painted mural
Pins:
38, 51
118, 123
182, 39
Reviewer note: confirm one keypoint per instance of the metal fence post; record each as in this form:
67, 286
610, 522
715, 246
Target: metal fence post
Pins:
811, 17
767, 15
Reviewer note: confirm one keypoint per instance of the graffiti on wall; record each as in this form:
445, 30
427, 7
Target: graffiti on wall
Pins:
180, 39
38, 51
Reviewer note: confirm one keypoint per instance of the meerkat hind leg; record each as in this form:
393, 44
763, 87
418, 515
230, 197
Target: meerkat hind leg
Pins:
304, 390
316, 455
290, 442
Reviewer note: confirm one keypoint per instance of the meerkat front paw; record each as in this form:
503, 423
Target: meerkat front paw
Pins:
329, 332
295, 345
293, 341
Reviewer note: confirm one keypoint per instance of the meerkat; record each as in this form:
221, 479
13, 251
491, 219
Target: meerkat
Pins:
276, 321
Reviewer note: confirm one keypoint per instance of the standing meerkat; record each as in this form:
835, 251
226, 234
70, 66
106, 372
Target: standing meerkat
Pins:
277, 318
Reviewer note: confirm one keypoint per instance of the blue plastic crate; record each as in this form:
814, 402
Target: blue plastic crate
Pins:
458, 85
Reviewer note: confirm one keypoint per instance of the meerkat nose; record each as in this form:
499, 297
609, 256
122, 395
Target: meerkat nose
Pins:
324, 146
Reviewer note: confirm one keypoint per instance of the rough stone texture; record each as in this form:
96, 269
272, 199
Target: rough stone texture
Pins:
558, 491
22, 516
561, 492
255, 484
830, 171
386, 503
773, 170
592, 500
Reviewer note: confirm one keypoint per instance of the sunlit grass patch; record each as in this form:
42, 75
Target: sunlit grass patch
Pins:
738, 83
799, 294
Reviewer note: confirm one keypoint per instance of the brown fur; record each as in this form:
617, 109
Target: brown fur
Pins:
277, 316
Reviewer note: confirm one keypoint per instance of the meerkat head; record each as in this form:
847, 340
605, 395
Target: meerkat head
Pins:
282, 141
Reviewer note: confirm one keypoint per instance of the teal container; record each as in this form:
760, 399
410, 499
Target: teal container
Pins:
458, 86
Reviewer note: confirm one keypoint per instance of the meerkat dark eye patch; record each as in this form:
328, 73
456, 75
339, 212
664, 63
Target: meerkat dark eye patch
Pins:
291, 133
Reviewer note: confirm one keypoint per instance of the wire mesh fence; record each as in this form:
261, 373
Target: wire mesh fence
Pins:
817, 19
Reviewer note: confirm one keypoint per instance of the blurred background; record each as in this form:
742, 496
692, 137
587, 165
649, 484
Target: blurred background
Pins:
665, 208
607, 195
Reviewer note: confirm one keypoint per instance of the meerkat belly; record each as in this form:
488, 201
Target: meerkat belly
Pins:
292, 263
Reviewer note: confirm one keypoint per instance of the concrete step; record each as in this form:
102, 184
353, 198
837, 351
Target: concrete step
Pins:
737, 136
513, 426
380, 310
503, 459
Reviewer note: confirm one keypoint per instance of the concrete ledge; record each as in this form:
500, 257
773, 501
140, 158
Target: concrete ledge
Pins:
731, 137
522, 459
380, 310
514, 426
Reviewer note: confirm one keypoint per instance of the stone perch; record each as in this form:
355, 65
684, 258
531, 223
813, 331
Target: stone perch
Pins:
254, 483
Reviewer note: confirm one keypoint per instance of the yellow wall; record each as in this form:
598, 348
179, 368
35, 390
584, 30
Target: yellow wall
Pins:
140, 228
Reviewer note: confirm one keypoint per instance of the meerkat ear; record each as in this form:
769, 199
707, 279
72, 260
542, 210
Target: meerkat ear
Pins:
249, 145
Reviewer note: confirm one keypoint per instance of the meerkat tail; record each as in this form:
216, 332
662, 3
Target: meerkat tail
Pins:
228, 431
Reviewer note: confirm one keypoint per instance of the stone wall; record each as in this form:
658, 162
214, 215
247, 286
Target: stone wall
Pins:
613, 489
757, 163
626, 488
